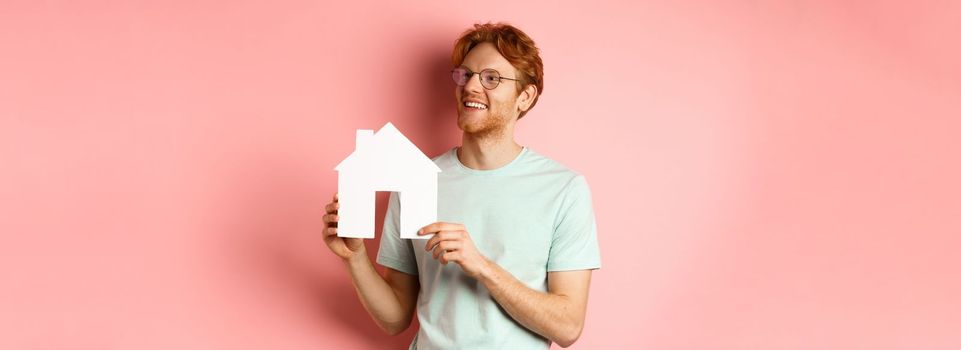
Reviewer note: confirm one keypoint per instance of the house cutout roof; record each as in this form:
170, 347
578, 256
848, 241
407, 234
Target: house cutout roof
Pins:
387, 146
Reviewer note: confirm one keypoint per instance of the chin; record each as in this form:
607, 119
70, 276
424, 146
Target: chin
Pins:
469, 124
466, 126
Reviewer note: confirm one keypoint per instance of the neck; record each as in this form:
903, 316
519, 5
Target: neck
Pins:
485, 153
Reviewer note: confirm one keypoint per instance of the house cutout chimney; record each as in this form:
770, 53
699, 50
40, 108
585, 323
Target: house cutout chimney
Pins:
363, 138
385, 161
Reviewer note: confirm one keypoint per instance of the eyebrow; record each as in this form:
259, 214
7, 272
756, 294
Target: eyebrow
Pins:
479, 70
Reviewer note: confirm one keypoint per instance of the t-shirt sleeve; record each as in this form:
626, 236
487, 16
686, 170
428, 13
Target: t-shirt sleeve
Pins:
574, 245
394, 252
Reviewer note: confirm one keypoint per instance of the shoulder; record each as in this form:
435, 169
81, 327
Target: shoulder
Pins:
546, 166
444, 160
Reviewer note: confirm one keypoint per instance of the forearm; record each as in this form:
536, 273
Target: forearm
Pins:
377, 296
551, 315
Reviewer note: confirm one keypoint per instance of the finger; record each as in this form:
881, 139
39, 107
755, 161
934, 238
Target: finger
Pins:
456, 235
446, 246
437, 250
440, 226
330, 231
332, 207
330, 218
443, 236
431, 242
335, 197
449, 257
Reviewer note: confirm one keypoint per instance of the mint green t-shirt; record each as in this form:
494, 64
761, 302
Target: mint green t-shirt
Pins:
530, 217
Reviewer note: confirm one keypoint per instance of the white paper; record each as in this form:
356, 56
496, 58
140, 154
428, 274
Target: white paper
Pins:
385, 161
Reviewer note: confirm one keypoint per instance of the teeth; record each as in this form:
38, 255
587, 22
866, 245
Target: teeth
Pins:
475, 105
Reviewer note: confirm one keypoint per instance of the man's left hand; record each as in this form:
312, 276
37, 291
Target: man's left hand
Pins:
452, 243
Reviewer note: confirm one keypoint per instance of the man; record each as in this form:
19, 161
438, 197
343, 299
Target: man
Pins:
509, 265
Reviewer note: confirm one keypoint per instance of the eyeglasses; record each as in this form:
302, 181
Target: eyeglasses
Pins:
489, 78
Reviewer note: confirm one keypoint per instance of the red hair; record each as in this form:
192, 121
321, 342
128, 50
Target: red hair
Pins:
514, 45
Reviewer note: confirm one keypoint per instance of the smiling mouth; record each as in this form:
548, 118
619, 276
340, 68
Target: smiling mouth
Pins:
475, 105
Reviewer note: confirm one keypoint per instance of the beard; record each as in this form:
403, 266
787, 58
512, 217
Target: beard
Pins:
491, 124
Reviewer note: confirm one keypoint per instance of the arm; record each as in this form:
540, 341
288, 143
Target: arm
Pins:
390, 300
557, 314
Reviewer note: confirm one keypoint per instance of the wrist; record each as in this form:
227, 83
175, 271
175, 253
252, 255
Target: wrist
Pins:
486, 270
359, 257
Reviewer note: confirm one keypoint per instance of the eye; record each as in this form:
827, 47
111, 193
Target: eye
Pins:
460, 75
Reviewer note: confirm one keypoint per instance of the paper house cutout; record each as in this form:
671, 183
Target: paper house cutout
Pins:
385, 161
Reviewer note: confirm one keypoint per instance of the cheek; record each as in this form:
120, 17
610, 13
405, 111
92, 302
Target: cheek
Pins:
504, 100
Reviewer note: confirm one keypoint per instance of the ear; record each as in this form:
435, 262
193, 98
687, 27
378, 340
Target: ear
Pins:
527, 97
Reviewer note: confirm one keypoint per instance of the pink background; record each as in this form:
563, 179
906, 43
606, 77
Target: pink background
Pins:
766, 175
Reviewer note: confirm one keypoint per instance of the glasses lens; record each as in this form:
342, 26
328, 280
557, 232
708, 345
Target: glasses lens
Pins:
490, 78
460, 76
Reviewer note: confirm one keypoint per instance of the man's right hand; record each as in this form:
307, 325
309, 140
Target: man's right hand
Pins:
345, 248
390, 299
